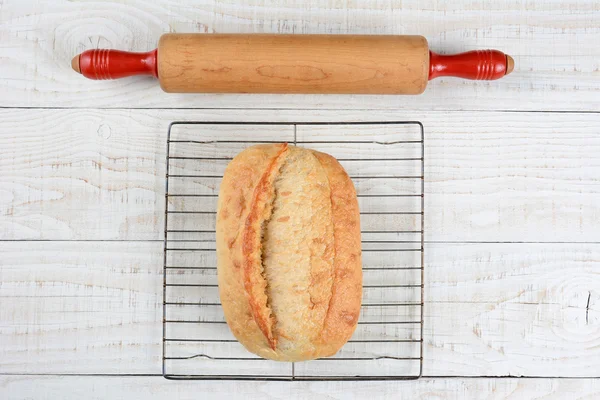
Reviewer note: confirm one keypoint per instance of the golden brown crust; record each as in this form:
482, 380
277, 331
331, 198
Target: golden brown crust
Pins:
344, 306
288, 246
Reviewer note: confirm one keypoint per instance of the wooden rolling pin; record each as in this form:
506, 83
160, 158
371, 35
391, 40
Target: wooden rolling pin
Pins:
261, 63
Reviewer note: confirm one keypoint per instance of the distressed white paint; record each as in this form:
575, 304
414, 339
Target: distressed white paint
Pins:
155, 388
80, 307
99, 174
554, 45
491, 309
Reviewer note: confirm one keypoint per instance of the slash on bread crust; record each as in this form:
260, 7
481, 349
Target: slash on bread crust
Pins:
255, 283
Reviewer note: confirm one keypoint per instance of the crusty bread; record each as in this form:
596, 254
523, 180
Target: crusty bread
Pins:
289, 252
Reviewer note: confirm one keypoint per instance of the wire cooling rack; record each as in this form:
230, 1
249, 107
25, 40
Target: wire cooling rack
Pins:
386, 163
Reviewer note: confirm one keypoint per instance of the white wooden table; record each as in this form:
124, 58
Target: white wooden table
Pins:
512, 195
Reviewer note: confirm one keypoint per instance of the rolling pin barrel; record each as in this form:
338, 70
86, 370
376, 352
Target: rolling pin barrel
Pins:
336, 64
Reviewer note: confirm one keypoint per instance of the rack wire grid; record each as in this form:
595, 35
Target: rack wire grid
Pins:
386, 163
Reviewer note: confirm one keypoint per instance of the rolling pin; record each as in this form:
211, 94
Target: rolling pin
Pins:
263, 63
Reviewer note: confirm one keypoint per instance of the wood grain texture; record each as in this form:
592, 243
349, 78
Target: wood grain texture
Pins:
80, 307
554, 46
78, 174
512, 309
151, 388
491, 309
99, 174
331, 64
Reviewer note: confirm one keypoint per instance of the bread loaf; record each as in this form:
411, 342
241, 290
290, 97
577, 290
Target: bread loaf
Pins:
289, 252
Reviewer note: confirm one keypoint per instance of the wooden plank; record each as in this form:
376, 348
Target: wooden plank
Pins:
512, 309
512, 177
151, 388
553, 44
75, 174
80, 307
490, 309
99, 174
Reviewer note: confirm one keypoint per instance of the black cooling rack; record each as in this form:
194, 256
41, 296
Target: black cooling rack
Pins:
386, 163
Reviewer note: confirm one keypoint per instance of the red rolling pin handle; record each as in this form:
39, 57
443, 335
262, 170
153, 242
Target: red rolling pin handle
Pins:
485, 65
112, 64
